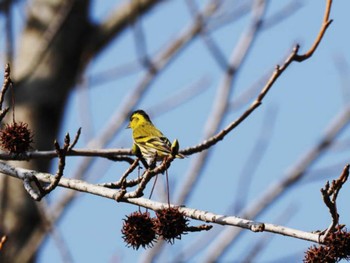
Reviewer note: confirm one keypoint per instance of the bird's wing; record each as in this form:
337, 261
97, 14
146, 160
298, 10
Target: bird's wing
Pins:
161, 144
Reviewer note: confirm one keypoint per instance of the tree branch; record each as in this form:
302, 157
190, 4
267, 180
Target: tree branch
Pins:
325, 24
204, 216
329, 194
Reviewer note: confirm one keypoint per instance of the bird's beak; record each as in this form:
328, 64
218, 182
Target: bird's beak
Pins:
128, 127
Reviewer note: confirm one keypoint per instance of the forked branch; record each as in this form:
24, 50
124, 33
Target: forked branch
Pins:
329, 194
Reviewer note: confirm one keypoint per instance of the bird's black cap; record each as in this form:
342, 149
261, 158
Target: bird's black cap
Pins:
141, 112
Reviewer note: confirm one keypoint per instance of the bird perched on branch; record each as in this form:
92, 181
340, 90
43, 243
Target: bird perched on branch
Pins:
149, 140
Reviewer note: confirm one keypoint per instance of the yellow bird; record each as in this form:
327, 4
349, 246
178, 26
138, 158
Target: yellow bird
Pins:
151, 141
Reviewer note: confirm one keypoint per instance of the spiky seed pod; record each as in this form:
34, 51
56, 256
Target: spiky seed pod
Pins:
320, 254
339, 241
138, 230
170, 224
16, 137
335, 248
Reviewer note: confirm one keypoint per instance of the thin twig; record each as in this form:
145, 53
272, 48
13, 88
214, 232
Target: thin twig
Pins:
325, 24
61, 163
76, 138
122, 181
329, 194
37, 196
147, 176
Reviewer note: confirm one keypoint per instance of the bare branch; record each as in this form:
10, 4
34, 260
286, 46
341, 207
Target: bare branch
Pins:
329, 194
76, 138
147, 176
205, 216
122, 181
325, 24
28, 178
61, 164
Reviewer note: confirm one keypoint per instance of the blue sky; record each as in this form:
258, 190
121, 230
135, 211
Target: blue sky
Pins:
297, 110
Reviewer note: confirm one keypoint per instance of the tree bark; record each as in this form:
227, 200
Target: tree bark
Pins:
43, 74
